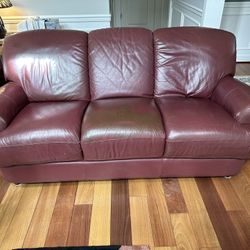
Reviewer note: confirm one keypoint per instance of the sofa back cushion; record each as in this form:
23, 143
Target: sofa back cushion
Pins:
189, 61
121, 62
51, 65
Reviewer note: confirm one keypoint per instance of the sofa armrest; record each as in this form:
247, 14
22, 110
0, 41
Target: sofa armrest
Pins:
12, 100
234, 96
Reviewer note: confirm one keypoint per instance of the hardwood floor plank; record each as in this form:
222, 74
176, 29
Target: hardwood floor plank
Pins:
40, 222
210, 248
120, 214
8, 208
241, 221
241, 185
137, 187
80, 225
101, 213
164, 248
61, 217
140, 222
85, 192
174, 197
246, 169
183, 231
198, 215
227, 194
242, 69
223, 225
203, 229
15, 235
25, 213
4, 185
161, 228
191, 194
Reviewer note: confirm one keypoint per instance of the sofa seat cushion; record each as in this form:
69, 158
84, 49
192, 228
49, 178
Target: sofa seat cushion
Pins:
122, 128
199, 128
42, 133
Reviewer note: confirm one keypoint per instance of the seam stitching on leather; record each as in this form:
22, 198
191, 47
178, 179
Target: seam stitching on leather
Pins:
119, 139
205, 141
42, 144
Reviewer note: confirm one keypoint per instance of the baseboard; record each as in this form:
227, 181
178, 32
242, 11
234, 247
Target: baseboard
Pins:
77, 22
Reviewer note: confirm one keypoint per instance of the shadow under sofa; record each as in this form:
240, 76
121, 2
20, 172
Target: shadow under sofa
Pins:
122, 103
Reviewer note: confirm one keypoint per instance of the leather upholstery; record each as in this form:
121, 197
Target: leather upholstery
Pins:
43, 132
122, 128
12, 100
234, 96
162, 104
199, 128
189, 61
51, 65
120, 63
121, 169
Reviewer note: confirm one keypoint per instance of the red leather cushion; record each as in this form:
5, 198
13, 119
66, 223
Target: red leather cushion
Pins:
42, 133
200, 128
51, 65
189, 61
121, 62
122, 128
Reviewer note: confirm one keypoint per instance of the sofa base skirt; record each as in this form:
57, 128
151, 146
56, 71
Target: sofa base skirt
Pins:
121, 169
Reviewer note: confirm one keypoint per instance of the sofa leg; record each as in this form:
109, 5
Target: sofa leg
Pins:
228, 177
18, 184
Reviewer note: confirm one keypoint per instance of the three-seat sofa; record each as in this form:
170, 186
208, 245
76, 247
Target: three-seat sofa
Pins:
122, 103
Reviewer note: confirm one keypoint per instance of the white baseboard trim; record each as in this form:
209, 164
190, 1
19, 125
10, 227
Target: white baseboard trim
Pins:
76, 22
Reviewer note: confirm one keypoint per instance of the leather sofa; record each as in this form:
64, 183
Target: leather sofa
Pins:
122, 103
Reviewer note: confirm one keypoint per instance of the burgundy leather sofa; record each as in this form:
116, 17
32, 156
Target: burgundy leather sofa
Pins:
122, 103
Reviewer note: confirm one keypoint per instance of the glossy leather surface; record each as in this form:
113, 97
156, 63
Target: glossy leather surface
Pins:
234, 96
12, 100
189, 61
51, 65
122, 128
121, 169
122, 132
199, 128
120, 63
43, 132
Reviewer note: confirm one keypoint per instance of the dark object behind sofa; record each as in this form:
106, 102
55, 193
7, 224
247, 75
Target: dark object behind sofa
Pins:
122, 103
2, 79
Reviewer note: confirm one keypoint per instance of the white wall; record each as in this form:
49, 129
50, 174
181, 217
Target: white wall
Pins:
73, 14
62, 7
236, 19
212, 13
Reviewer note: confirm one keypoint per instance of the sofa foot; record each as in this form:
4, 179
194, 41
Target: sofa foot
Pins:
228, 177
18, 184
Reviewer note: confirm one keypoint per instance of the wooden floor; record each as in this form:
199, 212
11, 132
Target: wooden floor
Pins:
184, 213
167, 214
243, 69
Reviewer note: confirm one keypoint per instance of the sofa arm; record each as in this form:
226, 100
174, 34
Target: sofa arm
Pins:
12, 100
234, 96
